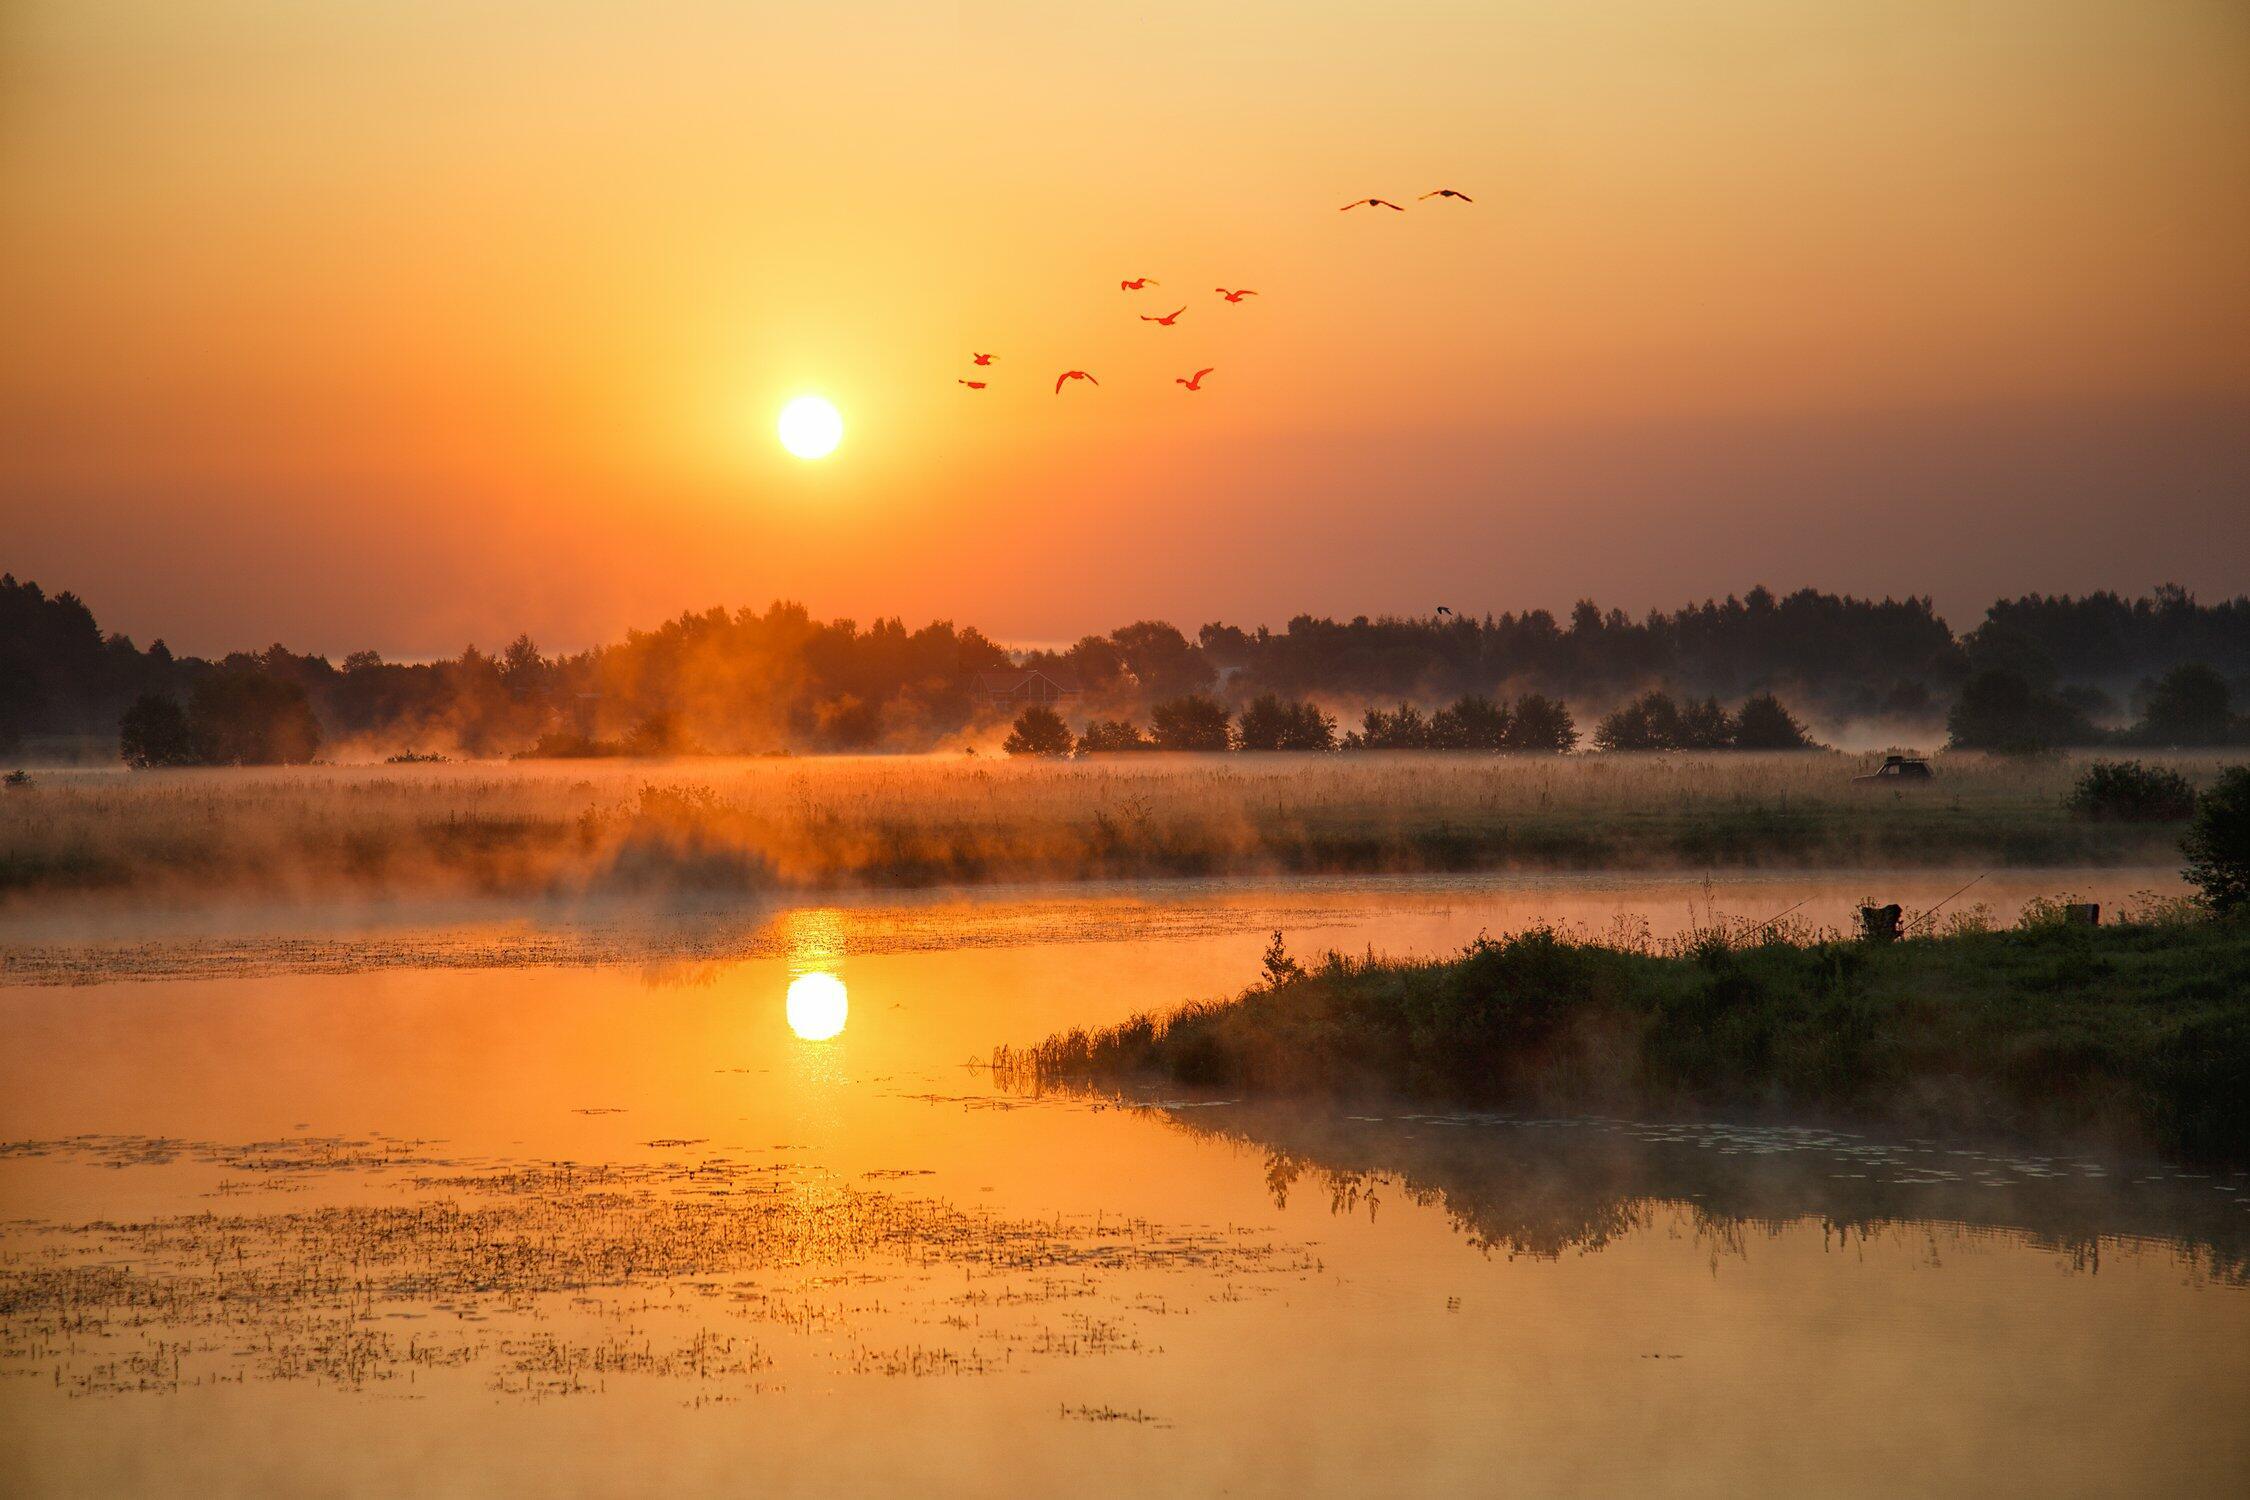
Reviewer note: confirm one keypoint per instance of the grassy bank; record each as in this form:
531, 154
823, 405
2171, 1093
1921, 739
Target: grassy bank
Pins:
754, 825
2134, 1035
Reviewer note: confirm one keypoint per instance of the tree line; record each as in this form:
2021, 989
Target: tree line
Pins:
2038, 670
1533, 723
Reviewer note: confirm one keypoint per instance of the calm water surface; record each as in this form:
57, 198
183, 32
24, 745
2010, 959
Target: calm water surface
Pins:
621, 1202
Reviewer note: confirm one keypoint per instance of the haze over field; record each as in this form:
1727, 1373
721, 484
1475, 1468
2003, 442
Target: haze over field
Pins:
395, 327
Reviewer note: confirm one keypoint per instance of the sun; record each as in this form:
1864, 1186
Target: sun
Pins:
817, 1006
811, 427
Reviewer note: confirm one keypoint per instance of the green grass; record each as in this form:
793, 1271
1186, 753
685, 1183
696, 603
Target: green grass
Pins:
2137, 1036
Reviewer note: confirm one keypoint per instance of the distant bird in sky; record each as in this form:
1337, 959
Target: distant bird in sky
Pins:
982, 359
1167, 320
974, 385
1370, 203
1441, 609
1197, 383
1234, 296
1137, 283
1073, 375
1447, 193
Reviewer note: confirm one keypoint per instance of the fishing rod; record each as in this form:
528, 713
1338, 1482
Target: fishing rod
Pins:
1933, 911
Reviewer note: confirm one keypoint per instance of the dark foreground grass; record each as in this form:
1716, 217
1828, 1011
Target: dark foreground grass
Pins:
2132, 1036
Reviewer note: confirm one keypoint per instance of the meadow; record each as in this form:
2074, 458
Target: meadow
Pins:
780, 824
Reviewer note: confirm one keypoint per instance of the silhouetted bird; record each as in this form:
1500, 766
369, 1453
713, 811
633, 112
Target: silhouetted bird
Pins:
1234, 296
974, 385
1167, 320
1073, 375
1447, 193
1441, 609
1370, 203
982, 359
1137, 283
1197, 383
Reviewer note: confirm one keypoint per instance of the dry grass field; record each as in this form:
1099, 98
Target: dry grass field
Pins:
781, 823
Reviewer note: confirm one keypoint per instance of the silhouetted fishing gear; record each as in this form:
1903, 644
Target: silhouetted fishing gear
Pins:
1777, 916
1933, 911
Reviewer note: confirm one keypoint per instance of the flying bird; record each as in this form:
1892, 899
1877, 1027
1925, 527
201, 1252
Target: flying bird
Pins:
1441, 609
1234, 296
1370, 203
974, 385
1137, 283
1073, 375
1167, 320
982, 359
1197, 383
1447, 193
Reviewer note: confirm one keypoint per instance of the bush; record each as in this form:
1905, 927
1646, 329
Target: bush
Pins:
2217, 845
1039, 730
2130, 792
1107, 736
1191, 723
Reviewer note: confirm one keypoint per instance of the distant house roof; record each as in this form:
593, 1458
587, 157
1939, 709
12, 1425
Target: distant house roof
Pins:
1025, 680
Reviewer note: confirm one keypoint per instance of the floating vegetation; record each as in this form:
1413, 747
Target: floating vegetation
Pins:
551, 1279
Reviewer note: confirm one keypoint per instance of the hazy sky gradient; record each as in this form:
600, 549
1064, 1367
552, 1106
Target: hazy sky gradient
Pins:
402, 325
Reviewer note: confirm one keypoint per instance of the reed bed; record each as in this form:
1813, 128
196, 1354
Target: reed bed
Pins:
780, 824
2135, 1034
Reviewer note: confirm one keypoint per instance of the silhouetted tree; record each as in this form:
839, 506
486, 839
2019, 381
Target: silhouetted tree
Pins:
2190, 706
1403, 728
1705, 726
1270, 724
1470, 723
1162, 660
1108, 736
1541, 724
1191, 723
154, 732
2002, 711
1039, 730
251, 718
1649, 722
2218, 841
1764, 724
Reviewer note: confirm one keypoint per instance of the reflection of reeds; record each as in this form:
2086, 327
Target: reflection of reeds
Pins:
749, 825
1547, 1187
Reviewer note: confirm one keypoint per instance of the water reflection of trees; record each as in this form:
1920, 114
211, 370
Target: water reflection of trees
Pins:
1545, 1188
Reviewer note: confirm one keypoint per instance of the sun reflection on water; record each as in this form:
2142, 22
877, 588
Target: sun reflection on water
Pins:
817, 1006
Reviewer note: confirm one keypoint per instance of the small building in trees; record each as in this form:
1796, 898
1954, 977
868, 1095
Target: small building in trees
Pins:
1020, 688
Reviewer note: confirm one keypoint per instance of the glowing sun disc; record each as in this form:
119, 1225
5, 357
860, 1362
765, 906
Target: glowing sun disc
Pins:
817, 1006
811, 427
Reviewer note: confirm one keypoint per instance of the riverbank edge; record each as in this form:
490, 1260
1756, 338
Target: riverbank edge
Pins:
2130, 1037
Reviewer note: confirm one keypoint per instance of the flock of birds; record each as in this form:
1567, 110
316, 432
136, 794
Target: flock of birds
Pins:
1166, 320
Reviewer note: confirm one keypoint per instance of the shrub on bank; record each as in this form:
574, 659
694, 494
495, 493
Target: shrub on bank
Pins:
2128, 790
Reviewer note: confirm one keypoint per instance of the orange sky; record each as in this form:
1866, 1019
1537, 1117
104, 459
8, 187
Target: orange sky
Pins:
404, 325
